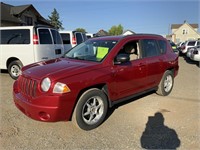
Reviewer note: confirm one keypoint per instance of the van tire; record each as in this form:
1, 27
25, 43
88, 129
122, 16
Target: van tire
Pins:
14, 69
91, 109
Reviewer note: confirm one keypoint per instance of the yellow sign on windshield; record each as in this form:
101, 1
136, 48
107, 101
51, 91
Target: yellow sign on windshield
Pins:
101, 52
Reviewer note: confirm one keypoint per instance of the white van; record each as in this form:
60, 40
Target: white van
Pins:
72, 38
89, 35
23, 45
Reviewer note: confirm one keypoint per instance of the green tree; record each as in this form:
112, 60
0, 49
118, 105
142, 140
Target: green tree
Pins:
54, 20
81, 30
116, 30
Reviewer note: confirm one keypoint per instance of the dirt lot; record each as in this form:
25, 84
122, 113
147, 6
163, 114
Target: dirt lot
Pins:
150, 121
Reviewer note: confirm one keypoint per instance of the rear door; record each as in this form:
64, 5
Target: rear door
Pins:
66, 41
58, 45
151, 54
47, 47
79, 37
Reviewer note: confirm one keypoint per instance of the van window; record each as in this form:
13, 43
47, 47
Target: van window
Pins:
65, 38
44, 36
19, 36
56, 37
79, 38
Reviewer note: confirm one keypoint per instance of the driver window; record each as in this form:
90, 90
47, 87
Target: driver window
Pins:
132, 49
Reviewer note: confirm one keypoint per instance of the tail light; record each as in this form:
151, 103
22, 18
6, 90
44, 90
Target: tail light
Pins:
35, 39
73, 40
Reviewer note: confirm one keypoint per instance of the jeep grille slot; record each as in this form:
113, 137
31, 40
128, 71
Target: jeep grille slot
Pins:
27, 86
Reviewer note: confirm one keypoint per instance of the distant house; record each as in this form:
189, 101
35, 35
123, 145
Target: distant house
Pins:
183, 32
23, 15
101, 33
128, 32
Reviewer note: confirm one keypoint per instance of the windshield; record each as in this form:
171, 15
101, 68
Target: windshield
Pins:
92, 50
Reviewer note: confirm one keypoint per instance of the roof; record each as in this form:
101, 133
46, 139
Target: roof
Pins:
15, 10
10, 13
118, 37
128, 31
176, 26
102, 33
5, 13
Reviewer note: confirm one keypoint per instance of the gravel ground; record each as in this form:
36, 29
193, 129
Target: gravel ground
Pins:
150, 121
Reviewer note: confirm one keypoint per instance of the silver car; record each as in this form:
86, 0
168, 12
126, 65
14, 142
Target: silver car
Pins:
195, 54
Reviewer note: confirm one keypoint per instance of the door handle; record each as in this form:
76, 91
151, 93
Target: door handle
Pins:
57, 51
141, 65
45, 58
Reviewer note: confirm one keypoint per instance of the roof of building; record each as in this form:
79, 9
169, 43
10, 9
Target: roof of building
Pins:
10, 13
176, 26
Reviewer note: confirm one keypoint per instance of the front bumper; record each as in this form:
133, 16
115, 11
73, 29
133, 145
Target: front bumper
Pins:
44, 108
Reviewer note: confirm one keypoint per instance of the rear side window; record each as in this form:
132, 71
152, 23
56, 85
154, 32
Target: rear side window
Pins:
18, 36
65, 38
44, 36
191, 43
149, 48
56, 37
162, 46
79, 38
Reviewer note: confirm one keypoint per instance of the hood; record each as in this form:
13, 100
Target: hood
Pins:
58, 68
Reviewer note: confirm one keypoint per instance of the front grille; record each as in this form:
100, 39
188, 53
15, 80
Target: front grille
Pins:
27, 86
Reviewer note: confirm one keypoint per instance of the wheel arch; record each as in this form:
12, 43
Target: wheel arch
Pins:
11, 59
172, 70
102, 86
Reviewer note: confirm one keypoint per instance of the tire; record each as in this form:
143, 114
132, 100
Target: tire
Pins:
14, 69
166, 84
91, 109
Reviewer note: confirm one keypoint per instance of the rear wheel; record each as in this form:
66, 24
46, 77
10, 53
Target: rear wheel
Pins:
166, 84
90, 110
14, 69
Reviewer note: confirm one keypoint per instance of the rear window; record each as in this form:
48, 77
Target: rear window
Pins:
44, 36
79, 38
18, 36
56, 37
65, 38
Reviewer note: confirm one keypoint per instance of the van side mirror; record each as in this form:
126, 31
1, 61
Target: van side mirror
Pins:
121, 58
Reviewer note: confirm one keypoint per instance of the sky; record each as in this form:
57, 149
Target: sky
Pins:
140, 16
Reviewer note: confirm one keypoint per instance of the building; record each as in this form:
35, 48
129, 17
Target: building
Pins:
101, 33
23, 15
128, 32
184, 32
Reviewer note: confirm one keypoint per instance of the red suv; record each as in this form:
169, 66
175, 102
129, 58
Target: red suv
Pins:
93, 76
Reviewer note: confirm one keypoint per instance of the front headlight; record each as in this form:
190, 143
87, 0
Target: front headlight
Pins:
45, 85
61, 88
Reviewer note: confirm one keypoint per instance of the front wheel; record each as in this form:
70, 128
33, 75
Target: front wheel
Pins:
166, 84
90, 109
14, 69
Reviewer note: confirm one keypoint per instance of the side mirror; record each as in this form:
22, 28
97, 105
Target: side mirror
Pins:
121, 58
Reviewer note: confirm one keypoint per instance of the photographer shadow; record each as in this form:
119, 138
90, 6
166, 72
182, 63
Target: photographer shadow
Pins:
157, 135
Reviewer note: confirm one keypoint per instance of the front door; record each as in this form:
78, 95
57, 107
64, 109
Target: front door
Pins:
130, 78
